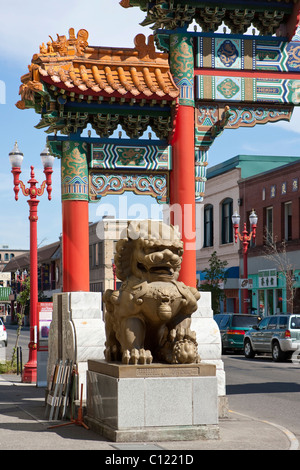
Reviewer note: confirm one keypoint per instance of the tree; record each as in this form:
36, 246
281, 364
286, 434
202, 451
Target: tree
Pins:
277, 253
214, 275
22, 299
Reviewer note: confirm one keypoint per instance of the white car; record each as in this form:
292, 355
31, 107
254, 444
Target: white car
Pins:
3, 333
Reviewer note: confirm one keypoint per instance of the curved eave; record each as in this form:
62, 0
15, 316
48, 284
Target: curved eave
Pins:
84, 92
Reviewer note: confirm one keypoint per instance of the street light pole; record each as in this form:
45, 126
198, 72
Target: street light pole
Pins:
114, 269
16, 158
245, 238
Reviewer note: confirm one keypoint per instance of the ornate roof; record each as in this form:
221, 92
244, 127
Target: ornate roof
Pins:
266, 15
89, 72
71, 84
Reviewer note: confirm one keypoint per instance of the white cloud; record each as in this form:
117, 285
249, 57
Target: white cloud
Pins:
293, 125
25, 25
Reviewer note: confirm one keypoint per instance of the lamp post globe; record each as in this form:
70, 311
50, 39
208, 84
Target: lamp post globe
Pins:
16, 157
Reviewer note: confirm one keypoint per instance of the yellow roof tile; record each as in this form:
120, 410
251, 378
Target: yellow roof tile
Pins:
71, 64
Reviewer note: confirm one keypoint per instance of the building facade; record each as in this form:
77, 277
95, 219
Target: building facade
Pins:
6, 254
221, 199
274, 260
49, 275
268, 184
103, 236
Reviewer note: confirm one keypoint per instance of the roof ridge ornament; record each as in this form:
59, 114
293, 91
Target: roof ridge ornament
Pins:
125, 3
74, 46
145, 51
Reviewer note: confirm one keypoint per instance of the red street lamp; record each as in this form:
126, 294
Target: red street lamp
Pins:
114, 269
16, 158
245, 237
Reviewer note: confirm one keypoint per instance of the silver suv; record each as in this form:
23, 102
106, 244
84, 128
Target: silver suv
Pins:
276, 334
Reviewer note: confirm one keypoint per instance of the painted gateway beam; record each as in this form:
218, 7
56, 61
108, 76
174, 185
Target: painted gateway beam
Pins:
230, 80
112, 166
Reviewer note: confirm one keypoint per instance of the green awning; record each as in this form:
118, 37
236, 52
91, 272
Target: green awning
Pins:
4, 293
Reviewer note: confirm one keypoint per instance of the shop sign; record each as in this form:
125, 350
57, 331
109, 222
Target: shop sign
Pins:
45, 310
246, 283
267, 278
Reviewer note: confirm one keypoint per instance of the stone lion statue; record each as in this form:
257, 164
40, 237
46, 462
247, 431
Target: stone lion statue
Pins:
149, 318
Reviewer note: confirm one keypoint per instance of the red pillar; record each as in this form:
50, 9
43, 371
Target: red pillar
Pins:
75, 241
75, 217
182, 181
183, 190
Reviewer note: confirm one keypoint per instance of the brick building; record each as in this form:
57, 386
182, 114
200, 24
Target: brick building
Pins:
270, 185
275, 196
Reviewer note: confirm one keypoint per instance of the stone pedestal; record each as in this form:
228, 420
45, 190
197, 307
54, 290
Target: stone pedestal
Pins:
210, 345
77, 332
152, 402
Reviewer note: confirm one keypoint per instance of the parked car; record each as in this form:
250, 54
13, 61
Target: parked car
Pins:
275, 334
3, 333
233, 327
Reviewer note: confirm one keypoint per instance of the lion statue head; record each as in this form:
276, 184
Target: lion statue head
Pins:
150, 251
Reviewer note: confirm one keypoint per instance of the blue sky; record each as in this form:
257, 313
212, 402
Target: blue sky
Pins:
24, 26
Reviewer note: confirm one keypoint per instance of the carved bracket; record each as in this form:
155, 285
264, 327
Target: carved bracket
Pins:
212, 118
146, 184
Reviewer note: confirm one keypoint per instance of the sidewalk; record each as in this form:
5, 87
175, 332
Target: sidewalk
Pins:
23, 427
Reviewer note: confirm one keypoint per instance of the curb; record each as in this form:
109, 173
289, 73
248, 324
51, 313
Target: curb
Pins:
294, 443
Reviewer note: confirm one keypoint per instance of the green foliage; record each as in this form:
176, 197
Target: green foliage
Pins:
24, 295
214, 275
23, 300
8, 367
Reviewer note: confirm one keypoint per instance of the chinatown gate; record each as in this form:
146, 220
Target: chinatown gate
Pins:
199, 85
187, 86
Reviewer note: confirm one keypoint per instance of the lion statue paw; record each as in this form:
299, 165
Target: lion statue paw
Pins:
137, 356
180, 347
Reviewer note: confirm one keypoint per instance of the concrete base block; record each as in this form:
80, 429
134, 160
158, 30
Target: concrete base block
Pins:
154, 434
154, 403
77, 331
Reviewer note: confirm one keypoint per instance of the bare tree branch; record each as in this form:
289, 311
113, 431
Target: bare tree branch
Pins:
277, 252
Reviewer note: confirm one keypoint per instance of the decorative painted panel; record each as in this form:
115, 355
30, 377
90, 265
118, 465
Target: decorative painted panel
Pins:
234, 52
114, 156
146, 184
74, 171
224, 88
201, 162
182, 66
232, 88
276, 90
228, 53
